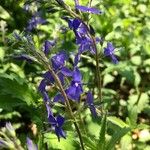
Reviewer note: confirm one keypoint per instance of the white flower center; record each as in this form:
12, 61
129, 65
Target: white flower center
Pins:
76, 84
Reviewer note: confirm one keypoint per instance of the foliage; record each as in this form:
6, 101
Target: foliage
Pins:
125, 86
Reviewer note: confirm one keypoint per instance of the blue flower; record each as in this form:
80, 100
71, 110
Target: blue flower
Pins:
47, 46
58, 98
73, 23
31, 145
76, 59
81, 32
57, 123
66, 72
91, 104
49, 78
86, 45
109, 51
42, 86
88, 9
58, 61
4, 144
75, 89
45, 96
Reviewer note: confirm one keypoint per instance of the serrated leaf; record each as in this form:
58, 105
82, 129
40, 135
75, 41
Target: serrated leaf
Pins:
16, 88
8, 103
116, 137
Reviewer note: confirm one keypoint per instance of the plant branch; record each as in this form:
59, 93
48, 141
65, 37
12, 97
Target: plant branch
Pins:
98, 73
67, 103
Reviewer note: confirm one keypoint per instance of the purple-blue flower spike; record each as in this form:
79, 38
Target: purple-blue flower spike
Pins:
48, 77
90, 103
82, 38
77, 77
88, 9
109, 51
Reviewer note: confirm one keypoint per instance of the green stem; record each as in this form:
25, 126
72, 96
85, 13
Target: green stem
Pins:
98, 73
82, 124
67, 103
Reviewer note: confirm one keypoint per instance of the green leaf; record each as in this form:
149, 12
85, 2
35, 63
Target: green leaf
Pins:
108, 79
143, 102
116, 137
8, 102
133, 115
15, 90
68, 143
117, 121
89, 142
4, 13
101, 142
125, 142
136, 60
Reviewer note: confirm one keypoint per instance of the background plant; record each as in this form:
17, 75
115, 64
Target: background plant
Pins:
129, 79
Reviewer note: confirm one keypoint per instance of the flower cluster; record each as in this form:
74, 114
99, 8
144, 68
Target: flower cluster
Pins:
73, 88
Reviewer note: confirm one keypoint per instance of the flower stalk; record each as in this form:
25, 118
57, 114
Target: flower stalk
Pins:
67, 103
98, 73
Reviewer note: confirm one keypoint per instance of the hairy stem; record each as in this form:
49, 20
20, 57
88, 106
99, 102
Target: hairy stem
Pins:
98, 73
67, 103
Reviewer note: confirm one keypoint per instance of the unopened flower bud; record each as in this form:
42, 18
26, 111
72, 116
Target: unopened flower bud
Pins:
10, 129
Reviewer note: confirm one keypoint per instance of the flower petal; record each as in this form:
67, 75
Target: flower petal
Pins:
52, 120
66, 72
42, 86
88, 9
47, 46
77, 77
60, 120
58, 97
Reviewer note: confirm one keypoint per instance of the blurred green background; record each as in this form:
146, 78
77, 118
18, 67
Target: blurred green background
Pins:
126, 86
